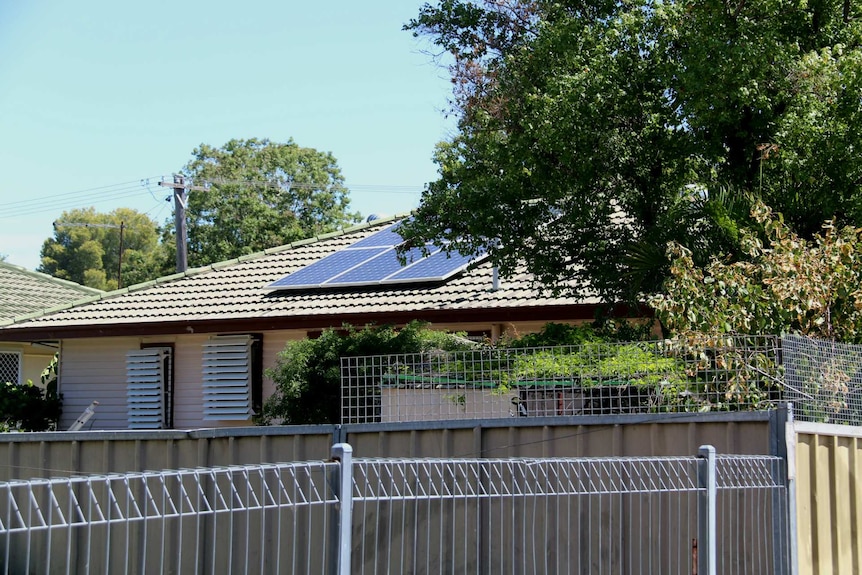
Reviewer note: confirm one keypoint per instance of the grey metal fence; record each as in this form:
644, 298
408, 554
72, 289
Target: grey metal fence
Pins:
244, 519
709, 374
724, 514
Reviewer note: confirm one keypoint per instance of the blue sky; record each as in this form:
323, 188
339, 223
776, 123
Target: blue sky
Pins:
97, 95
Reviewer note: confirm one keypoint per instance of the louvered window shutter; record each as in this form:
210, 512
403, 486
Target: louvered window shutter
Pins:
227, 378
145, 388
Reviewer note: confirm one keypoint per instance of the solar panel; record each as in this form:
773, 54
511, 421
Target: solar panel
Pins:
374, 261
436, 267
318, 272
387, 237
379, 268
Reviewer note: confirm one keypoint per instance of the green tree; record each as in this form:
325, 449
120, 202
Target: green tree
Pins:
86, 248
787, 285
261, 194
592, 134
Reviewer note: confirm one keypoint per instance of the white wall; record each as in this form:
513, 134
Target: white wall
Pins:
436, 404
95, 369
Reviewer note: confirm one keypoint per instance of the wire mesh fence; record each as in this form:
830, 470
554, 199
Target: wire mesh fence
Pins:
726, 373
823, 379
563, 515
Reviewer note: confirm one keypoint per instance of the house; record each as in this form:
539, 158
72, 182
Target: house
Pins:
190, 350
23, 292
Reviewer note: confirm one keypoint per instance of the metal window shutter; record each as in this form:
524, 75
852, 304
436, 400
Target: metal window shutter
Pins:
227, 378
145, 385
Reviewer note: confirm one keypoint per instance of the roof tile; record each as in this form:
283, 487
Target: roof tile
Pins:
23, 292
235, 290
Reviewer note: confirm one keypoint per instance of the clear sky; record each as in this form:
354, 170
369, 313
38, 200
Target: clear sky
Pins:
98, 95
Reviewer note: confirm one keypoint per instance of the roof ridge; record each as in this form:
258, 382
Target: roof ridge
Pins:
49, 277
99, 295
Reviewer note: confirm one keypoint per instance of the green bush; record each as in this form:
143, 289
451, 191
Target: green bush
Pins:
590, 356
595, 363
557, 334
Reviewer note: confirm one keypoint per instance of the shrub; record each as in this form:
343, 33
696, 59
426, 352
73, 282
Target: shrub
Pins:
29, 407
557, 334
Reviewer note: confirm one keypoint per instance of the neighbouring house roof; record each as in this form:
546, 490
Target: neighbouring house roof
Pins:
231, 296
25, 292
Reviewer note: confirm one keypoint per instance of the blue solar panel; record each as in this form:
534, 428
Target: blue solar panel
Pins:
378, 268
318, 272
374, 261
387, 237
436, 267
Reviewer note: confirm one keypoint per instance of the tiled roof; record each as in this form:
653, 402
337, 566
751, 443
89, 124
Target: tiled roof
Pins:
25, 292
234, 290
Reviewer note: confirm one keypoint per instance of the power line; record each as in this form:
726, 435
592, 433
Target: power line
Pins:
87, 191
69, 200
367, 188
27, 204
136, 188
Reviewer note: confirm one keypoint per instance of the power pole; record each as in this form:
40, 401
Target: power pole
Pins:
120, 258
121, 227
180, 194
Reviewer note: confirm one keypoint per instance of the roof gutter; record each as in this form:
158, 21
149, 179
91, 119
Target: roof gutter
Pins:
556, 313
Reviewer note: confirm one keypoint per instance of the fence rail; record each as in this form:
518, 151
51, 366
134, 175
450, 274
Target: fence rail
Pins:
560, 515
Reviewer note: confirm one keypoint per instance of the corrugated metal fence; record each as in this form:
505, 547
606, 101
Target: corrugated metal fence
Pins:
27, 455
707, 514
826, 475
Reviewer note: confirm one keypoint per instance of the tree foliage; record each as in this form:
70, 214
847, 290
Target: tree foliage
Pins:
307, 374
591, 134
262, 194
85, 248
604, 331
788, 285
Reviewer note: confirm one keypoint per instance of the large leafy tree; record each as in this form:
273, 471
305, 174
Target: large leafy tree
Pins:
261, 194
86, 248
787, 285
593, 133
